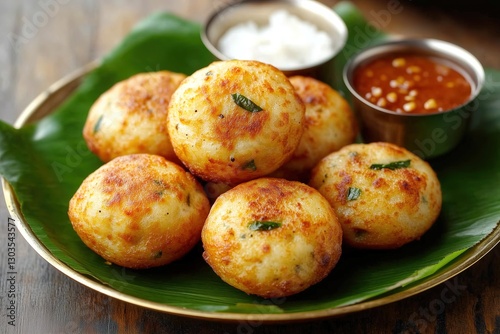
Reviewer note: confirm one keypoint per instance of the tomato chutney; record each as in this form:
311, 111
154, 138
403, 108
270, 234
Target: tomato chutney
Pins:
412, 83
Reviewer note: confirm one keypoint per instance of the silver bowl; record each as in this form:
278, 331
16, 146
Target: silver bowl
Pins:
428, 135
258, 11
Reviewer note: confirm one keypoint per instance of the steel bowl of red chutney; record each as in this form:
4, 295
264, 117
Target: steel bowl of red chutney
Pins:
417, 93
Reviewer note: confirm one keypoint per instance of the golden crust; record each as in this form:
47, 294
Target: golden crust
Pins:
394, 207
329, 125
131, 117
139, 211
220, 141
278, 262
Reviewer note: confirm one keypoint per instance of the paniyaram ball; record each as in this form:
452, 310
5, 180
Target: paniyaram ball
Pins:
235, 120
272, 237
383, 195
131, 117
329, 125
139, 211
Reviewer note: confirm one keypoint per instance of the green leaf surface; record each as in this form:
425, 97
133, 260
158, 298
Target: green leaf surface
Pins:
45, 163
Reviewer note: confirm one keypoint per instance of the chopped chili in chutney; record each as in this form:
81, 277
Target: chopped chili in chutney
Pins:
412, 83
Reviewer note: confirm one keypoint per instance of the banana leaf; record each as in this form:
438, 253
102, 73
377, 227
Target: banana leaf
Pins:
45, 162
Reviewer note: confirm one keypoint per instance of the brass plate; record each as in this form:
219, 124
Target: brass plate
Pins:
49, 100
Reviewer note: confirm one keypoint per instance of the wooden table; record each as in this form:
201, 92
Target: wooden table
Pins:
44, 40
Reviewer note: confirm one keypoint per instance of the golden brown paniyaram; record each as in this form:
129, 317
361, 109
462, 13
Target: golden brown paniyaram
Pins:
272, 237
383, 195
329, 125
131, 117
235, 120
139, 211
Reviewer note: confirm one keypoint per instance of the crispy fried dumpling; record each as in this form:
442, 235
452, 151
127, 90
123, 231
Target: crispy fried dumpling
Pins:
235, 120
139, 211
131, 117
329, 125
383, 195
272, 237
